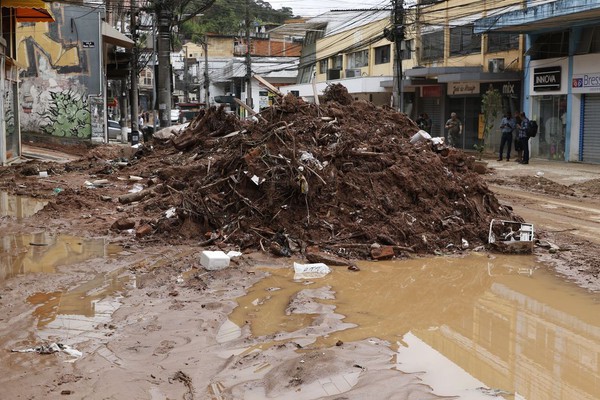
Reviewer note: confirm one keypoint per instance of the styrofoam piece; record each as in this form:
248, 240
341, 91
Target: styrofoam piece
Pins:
214, 260
310, 271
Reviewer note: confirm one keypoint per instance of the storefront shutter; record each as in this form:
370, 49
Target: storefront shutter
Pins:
431, 106
591, 129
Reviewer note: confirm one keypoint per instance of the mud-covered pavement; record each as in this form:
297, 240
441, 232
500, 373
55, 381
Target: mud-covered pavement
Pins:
152, 323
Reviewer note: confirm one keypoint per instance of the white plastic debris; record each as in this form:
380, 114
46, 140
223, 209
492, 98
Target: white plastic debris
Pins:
43, 174
465, 244
214, 260
420, 136
171, 212
232, 254
307, 158
51, 348
310, 271
137, 187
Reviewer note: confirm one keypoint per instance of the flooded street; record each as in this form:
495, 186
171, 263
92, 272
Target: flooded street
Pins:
503, 323
44, 252
128, 314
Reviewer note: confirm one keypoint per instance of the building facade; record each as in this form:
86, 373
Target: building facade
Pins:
14, 12
62, 94
561, 74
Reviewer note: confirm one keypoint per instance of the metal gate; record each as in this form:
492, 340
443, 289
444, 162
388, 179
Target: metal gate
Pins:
590, 138
431, 106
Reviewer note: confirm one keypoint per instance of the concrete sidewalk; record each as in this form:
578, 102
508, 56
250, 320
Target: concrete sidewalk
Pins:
565, 173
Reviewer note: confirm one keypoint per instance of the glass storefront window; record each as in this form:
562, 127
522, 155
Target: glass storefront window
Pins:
550, 113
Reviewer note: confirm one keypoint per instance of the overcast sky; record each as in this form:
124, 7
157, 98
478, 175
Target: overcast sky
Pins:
315, 7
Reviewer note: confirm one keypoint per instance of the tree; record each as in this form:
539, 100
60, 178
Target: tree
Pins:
491, 107
226, 17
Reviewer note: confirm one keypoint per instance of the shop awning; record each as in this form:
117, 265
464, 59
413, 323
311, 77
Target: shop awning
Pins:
30, 10
112, 36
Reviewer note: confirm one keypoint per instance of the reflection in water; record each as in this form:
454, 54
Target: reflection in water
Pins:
44, 252
500, 320
19, 207
77, 313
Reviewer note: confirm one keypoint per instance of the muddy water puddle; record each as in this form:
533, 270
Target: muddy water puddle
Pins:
44, 252
503, 323
83, 312
18, 206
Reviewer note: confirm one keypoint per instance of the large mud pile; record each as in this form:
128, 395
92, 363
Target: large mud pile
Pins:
342, 176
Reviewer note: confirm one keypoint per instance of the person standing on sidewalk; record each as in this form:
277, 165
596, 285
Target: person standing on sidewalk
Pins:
524, 138
507, 125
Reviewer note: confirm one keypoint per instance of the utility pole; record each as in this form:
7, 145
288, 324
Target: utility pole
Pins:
206, 83
186, 94
248, 59
164, 67
398, 36
135, 133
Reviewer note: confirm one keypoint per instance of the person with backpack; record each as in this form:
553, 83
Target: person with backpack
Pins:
523, 135
507, 125
518, 148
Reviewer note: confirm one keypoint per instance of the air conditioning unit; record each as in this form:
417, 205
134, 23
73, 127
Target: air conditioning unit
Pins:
353, 73
334, 74
496, 65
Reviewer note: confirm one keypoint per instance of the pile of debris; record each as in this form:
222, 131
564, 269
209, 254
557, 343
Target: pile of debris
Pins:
342, 175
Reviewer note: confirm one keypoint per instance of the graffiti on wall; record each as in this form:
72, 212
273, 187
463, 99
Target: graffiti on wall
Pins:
54, 79
68, 116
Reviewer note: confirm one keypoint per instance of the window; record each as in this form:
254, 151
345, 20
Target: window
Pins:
336, 62
382, 54
502, 41
432, 46
407, 49
464, 41
323, 66
550, 45
358, 59
589, 41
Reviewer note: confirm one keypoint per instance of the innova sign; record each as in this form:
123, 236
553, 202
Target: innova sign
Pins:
546, 79
586, 83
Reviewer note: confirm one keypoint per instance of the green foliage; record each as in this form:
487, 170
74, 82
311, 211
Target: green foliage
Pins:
68, 116
491, 107
227, 18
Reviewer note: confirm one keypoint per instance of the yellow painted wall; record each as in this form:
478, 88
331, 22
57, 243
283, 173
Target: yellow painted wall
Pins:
220, 46
339, 43
451, 13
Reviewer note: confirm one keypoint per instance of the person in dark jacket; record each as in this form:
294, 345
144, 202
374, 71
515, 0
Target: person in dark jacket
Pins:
524, 138
507, 126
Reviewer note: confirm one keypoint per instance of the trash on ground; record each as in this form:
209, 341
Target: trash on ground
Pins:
511, 236
310, 271
214, 260
137, 187
420, 136
233, 253
171, 212
51, 348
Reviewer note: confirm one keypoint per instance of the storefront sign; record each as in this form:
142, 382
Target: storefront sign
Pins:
462, 88
431, 91
586, 83
546, 79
